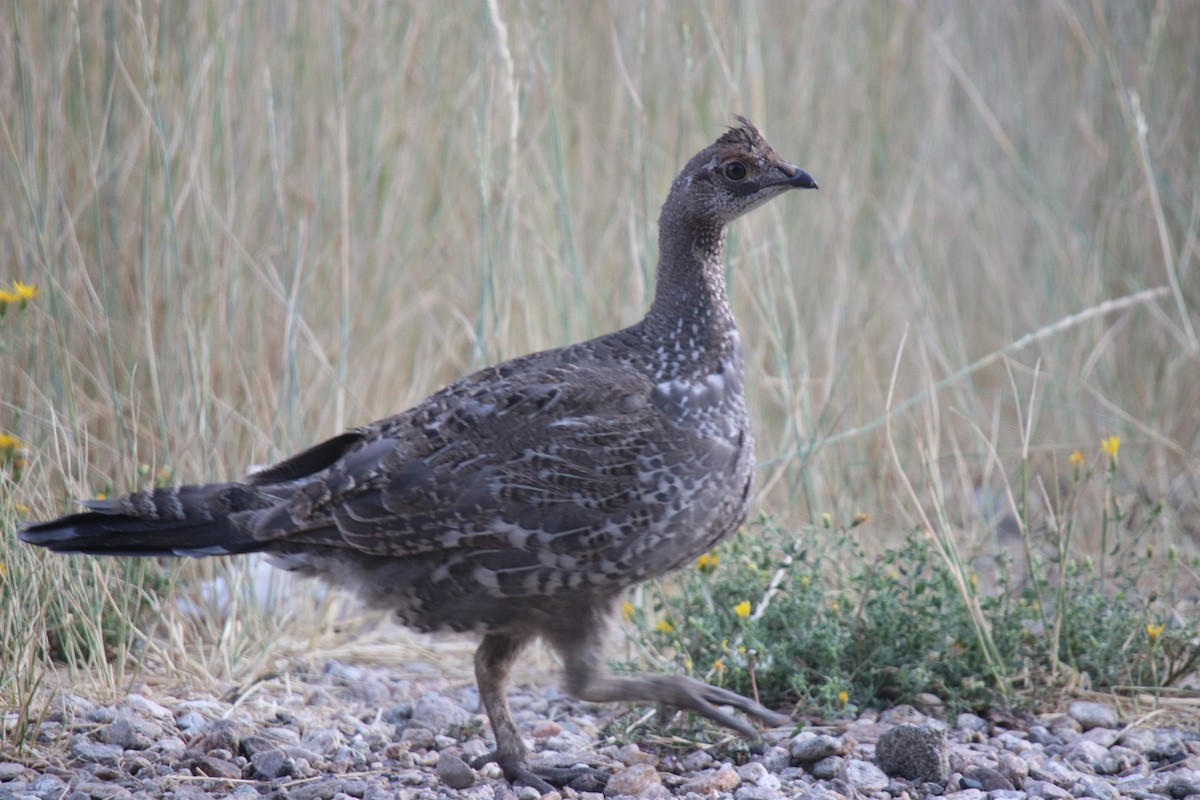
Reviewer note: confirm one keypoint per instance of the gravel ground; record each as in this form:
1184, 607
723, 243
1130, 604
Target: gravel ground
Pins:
359, 732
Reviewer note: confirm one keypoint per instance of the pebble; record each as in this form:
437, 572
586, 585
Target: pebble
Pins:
986, 779
865, 776
454, 772
807, 747
828, 768
635, 780
1090, 714
354, 732
915, 752
723, 779
148, 708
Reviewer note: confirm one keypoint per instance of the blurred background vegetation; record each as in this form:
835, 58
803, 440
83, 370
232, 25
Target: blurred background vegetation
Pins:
251, 225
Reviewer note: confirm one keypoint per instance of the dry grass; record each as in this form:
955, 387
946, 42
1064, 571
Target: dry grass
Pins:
256, 224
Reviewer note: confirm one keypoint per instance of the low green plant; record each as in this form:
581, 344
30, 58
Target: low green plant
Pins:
806, 617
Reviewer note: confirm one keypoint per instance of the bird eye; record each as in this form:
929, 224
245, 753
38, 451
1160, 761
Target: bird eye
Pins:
735, 170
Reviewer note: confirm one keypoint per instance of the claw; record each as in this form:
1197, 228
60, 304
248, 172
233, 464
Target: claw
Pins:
543, 777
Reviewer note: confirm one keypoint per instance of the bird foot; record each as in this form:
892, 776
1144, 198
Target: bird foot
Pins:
544, 777
707, 700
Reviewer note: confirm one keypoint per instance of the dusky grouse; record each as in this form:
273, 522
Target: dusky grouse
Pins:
521, 500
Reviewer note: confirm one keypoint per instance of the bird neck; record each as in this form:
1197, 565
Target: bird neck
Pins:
690, 316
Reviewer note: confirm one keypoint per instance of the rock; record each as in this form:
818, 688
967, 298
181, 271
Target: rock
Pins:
437, 712
212, 767
807, 747
132, 733
273, 763
966, 794
696, 761
1046, 789
635, 780
752, 772
48, 786
225, 734
1158, 745
1086, 751
148, 708
1183, 785
191, 722
776, 759
101, 714
418, 737
1012, 741
10, 771
827, 768
971, 722
1090, 714
171, 747
100, 791
902, 713
1066, 728
865, 776
722, 779
1013, 767
915, 752
325, 741
632, 754
1105, 737
324, 789
454, 772
750, 791
1040, 734
929, 703
545, 728
96, 753
1097, 789
986, 779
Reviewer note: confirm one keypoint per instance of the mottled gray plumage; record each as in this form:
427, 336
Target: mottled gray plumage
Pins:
519, 501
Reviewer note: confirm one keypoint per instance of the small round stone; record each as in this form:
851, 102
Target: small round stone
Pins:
1090, 714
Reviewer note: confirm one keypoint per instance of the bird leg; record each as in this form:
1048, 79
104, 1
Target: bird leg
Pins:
589, 679
493, 663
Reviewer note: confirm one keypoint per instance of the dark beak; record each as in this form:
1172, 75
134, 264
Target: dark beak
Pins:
802, 180
797, 178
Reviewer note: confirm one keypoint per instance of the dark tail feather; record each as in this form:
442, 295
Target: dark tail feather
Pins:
177, 521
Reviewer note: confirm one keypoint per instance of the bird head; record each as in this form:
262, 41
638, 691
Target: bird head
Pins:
735, 174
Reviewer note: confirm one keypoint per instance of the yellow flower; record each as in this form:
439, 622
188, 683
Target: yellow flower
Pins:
742, 609
21, 508
1111, 445
859, 519
101, 496
843, 697
9, 442
25, 291
1076, 459
7, 297
707, 562
664, 626
974, 581
1153, 631
719, 665
835, 606
627, 610
3, 569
